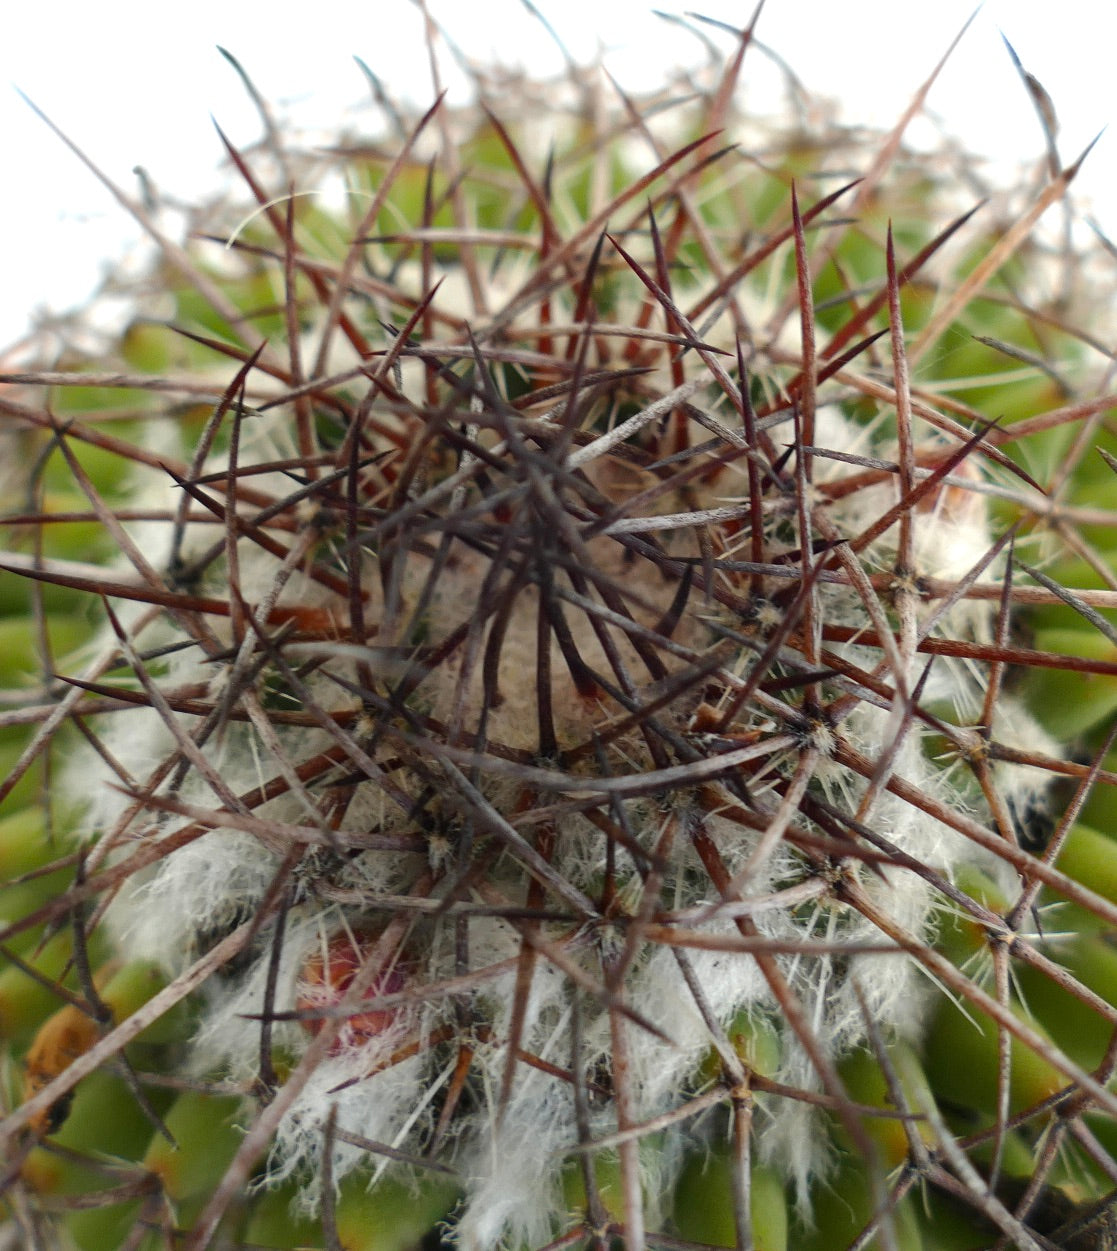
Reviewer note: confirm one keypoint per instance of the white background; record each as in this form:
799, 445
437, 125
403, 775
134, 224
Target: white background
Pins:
135, 84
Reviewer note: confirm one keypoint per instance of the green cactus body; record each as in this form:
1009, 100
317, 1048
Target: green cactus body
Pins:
571, 680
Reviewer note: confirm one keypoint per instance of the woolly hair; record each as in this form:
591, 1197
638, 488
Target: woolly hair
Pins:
544, 692
223, 877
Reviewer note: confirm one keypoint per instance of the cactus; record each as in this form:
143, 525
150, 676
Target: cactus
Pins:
566, 703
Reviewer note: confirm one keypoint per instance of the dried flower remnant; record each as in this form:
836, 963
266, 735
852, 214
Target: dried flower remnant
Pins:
326, 976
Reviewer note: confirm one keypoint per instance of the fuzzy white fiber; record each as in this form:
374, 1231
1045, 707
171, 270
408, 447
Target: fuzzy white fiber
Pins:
510, 1157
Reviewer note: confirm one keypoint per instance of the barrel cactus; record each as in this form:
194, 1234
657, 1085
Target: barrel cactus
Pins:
559, 694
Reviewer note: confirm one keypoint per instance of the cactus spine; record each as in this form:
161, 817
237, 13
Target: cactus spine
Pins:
572, 723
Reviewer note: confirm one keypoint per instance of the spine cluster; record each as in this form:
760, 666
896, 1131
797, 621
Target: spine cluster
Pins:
561, 723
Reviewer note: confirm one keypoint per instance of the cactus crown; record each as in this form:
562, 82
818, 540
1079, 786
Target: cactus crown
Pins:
575, 624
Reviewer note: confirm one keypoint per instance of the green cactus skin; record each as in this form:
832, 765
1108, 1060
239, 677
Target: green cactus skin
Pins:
621, 751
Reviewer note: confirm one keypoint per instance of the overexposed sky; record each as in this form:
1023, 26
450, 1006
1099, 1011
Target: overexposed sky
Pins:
135, 84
